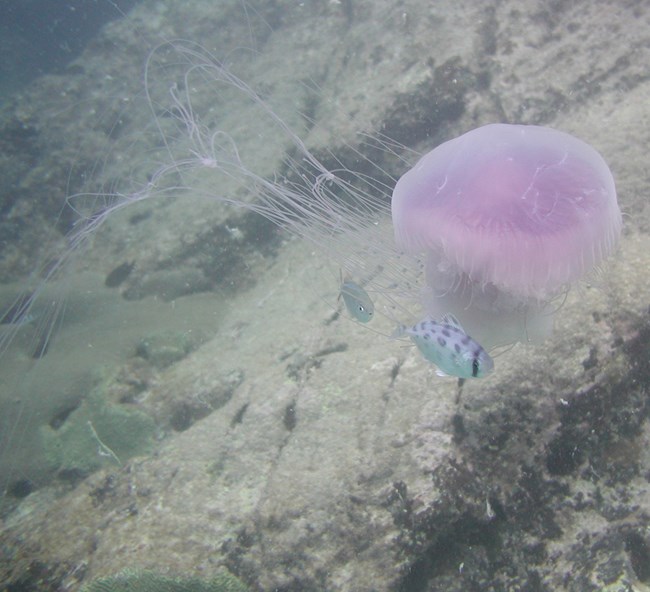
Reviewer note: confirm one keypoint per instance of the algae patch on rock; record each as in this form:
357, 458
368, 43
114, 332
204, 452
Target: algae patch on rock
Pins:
147, 581
165, 348
95, 433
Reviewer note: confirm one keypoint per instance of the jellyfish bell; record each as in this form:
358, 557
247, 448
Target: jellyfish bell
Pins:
508, 216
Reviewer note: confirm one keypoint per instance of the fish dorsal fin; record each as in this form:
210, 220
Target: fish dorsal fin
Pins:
452, 321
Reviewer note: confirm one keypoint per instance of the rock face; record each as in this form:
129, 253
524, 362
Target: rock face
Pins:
299, 450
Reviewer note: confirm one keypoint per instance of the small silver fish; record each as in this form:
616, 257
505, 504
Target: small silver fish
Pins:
446, 344
357, 301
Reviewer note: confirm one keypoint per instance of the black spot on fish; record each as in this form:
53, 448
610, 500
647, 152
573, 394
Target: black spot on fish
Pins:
475, 367
423, 326
442, 341
446, 332
457, 348
426, 336
119, 274
465, 340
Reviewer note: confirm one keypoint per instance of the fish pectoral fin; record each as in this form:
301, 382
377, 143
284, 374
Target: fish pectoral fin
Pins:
467, 356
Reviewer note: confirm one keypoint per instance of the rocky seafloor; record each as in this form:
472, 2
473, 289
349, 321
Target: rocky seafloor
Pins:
253, 432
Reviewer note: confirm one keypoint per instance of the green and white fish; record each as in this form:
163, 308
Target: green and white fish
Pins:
446, 344
357, 301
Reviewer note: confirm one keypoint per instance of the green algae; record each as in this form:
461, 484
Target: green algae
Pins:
148, 581
96, 433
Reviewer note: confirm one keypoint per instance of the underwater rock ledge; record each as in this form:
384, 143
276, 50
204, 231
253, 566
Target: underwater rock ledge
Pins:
356, 470
527, 480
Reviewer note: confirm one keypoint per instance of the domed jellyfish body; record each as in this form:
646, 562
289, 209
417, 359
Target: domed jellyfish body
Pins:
509, 216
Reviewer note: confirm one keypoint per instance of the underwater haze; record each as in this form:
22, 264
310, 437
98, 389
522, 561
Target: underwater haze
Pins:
39, 37
195, 219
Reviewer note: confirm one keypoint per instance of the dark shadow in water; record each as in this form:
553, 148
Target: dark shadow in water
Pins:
40, 36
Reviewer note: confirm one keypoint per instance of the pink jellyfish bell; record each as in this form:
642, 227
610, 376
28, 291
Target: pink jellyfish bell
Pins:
509, 216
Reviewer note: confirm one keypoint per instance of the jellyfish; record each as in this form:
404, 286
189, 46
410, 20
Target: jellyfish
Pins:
491, 226
497, 279
508, 217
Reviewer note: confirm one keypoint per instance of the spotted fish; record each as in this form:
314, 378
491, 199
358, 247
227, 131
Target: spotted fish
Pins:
357, 301
446, 344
